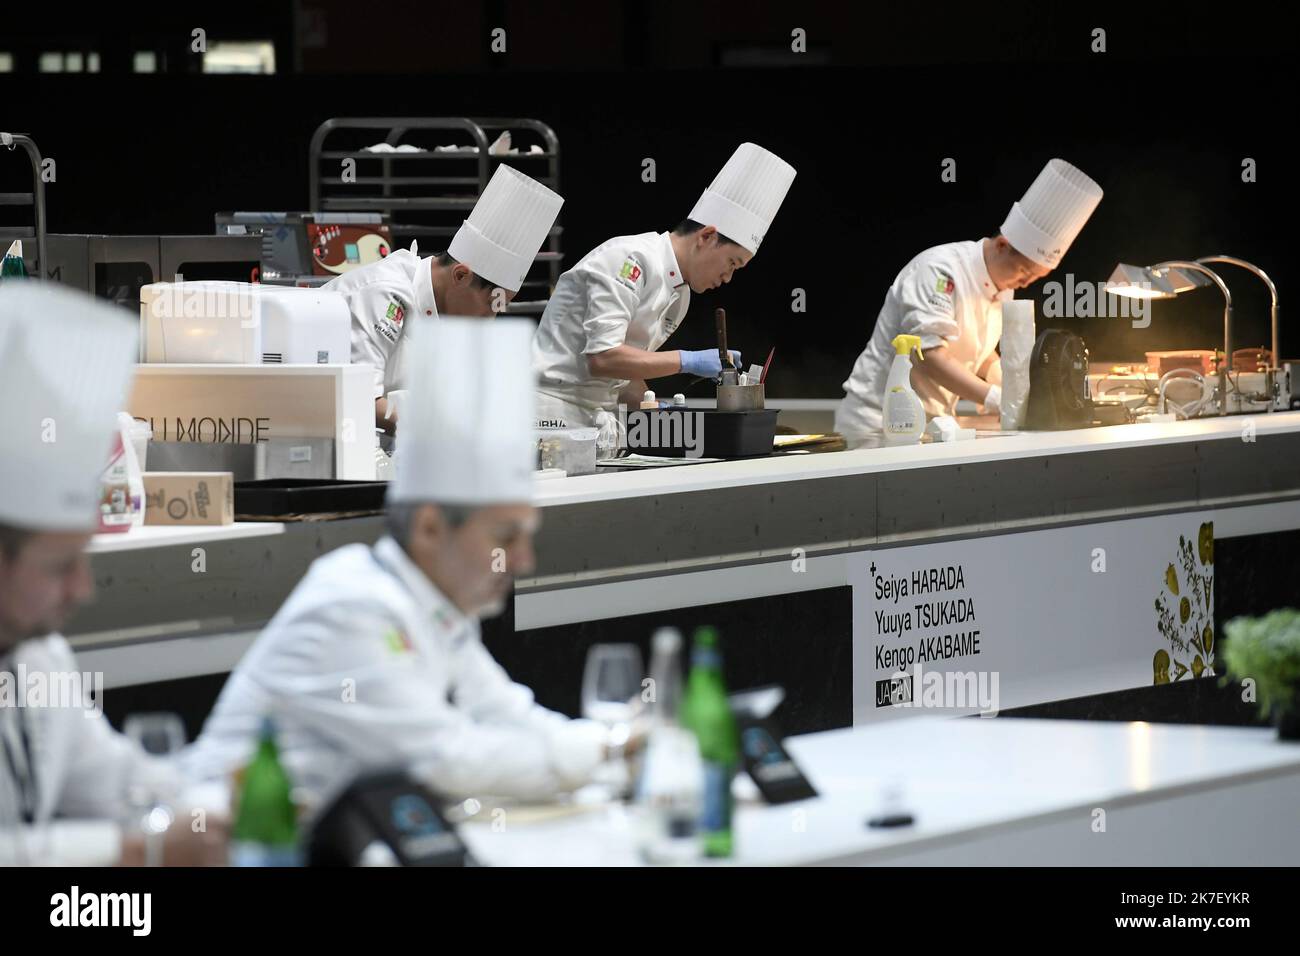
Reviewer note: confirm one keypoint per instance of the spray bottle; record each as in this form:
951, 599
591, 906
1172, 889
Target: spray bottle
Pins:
904, 416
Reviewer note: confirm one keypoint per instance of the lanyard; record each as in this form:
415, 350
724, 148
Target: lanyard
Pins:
24, 778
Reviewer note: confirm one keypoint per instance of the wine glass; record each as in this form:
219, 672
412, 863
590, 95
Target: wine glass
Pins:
611, 684
161, 735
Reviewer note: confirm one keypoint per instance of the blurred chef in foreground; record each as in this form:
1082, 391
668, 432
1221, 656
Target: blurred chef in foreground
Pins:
478, 275
66, 777
375, 660
952, 295
597, 341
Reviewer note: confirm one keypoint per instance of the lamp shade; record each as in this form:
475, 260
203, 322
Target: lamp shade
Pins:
1137, 282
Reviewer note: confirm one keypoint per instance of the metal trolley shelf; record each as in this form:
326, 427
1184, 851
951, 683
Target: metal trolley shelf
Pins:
408, 189
35, 199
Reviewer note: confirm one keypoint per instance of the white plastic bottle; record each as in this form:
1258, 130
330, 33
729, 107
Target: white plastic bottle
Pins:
904, 416
121, 501
670, 790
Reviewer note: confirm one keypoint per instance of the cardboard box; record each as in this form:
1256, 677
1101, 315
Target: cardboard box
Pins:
189, 497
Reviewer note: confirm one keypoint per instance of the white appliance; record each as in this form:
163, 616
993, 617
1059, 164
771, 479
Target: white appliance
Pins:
241, 323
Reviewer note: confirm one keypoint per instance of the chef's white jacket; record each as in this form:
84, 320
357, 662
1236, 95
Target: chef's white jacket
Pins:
945, 296
627, 291
367, 666
66, 767
383, 296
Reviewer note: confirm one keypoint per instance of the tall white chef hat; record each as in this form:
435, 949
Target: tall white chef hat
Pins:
745, 195
507, 226
65, 363
1044, 223
467, 431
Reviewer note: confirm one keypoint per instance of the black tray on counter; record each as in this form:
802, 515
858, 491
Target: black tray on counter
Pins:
746, 434
272, 497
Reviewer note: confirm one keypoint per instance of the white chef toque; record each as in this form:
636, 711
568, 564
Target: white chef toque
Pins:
507, 226
745, 195
466, 435
66, 360
1044, 223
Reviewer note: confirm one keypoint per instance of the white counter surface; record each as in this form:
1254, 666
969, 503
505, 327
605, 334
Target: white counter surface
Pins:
1020, 791
161, 536
754, 471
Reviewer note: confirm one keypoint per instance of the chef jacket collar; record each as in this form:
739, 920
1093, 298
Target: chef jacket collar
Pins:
980, 270
673, 272
431, 602
425, 303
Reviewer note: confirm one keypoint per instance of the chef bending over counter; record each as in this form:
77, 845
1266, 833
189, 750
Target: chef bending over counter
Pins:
951, 297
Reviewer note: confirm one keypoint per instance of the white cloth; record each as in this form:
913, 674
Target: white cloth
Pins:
627, 291
83, 770
65, 362
383, 298
945, 296
468, 434
1014, 353
368, 666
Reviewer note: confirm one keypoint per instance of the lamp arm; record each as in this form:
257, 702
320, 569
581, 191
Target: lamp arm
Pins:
1272, 290
1227, 322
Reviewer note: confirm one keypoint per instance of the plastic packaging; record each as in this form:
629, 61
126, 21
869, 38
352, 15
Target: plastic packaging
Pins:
904, 416
12, 266
1016, 347
121, 499
572, 450
610, 434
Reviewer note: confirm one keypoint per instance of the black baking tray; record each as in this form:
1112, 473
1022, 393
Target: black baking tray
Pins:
270, 497
716, 434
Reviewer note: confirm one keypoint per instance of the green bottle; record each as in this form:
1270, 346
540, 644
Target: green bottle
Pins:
11, 267
706, 711
266, 823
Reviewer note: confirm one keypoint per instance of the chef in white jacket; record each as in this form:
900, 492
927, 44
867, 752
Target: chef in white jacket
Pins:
481, 271
67, 779
375, 660
951, 296
598, 339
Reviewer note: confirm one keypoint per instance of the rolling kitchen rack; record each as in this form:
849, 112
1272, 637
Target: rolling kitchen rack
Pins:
426, 193
36, 199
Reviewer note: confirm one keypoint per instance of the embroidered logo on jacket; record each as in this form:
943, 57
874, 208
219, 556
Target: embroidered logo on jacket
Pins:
629, 273
398, 642
940, 296
390, 323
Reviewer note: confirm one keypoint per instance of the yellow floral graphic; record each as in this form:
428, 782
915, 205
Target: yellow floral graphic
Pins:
1188, 585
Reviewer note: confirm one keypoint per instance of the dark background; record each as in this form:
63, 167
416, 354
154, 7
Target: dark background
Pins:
1162, 120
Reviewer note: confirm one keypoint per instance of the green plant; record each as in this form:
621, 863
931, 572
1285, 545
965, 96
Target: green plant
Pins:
1266, 650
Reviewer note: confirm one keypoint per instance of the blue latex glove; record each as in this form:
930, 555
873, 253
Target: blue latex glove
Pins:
705, 363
